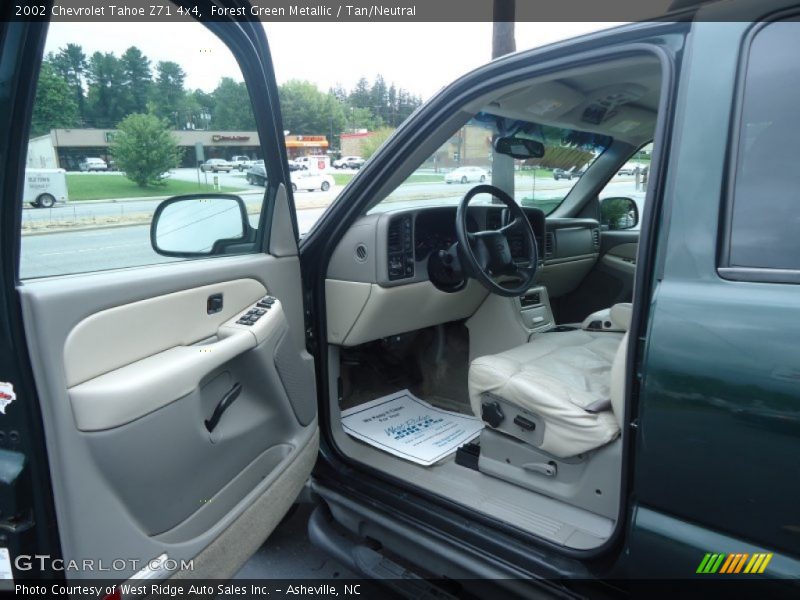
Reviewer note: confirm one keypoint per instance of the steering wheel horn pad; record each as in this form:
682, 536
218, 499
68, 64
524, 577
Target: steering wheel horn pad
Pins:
488, 253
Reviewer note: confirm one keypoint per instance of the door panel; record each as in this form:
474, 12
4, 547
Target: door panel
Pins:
136, 472
610, 280
170, 430
151, 326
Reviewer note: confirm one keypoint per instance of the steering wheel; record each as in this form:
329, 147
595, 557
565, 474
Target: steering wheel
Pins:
488, 252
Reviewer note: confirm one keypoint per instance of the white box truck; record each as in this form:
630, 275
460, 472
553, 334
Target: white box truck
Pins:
45, 187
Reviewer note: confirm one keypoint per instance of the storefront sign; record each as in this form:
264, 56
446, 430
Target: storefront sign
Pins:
229, 138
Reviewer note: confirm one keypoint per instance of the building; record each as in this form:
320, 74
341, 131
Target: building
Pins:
351, 142
66, 148
306, 145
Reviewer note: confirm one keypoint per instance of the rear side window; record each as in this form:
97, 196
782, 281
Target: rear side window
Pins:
765, 216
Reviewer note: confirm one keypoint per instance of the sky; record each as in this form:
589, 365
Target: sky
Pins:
420, 57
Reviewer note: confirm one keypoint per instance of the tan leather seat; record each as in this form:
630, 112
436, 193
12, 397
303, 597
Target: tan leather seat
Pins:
565, 380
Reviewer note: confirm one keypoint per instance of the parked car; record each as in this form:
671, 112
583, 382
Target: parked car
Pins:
241, 162
216, 165
93, 164
349, 162
257, 174
45, 187
466, 175
629, 169
480, 400
311, 180
563, 174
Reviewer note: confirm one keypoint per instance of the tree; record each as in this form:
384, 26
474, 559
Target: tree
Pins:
54, 105
378, 99
614, 212
360, 97
201, 103
105, 100
70, 63
361, 118
407, 103
374, 141
144, 149
306, 109
391, 100
232, 109
169, 94
338, 92
136, 80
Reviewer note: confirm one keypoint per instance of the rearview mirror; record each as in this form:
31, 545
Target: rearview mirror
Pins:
618, 213
199, 225
518, 147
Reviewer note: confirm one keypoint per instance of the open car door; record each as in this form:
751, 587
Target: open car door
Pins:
141, 414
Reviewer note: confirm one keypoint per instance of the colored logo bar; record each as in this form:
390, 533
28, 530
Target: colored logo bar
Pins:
731, 564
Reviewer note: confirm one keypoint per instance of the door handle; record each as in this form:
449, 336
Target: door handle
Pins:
223, 405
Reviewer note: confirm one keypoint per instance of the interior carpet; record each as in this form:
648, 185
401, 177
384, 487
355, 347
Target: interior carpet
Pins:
432, 363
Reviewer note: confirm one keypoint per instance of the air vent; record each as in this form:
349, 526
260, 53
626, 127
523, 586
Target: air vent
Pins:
361, 253
596, 238
549, 244
532, 299
400, 249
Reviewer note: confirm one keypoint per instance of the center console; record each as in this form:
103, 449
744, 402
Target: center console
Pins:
534, 309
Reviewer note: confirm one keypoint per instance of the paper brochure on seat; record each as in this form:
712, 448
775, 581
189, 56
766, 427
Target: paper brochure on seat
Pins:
403, 425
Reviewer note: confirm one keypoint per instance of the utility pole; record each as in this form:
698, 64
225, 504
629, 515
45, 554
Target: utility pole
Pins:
503, 43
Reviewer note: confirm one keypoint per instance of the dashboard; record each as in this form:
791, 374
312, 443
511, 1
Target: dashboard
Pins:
378, 281
413, 237
393, 248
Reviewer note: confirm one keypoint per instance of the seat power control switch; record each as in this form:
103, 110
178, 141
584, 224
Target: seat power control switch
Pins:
524, 423
491, 413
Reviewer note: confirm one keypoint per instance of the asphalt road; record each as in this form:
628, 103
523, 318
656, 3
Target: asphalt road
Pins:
106, 248
81, 210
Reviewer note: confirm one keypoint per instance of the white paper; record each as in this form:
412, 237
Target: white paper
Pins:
403, 425
6, 573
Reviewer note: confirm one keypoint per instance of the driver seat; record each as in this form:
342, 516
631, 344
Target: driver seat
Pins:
556, 392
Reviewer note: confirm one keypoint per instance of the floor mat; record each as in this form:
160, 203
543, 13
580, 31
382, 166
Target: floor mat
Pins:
405, 426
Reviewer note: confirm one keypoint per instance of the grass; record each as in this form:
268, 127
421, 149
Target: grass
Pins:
109, 187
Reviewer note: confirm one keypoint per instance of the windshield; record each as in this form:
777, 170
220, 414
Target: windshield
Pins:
468, 158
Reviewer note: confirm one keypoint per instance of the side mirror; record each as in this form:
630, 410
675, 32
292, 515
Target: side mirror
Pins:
618, 213
198, 225
518, 147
